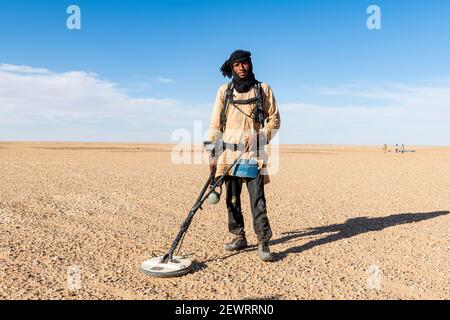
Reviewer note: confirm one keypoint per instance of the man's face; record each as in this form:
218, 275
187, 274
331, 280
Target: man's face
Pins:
241, 69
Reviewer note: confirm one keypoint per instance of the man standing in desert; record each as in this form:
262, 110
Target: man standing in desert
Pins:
245, 118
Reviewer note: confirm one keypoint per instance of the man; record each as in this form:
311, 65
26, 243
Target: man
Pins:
244, 119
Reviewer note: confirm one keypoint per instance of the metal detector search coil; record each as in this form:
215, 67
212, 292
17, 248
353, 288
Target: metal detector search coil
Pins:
177, 266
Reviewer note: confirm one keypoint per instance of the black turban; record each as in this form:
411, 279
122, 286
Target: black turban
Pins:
241, 85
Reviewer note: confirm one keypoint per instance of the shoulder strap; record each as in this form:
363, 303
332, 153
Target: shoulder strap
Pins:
260, 115
262, 96
226, 102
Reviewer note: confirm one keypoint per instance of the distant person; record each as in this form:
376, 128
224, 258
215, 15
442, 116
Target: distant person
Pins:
245, 117
385, 148
396, 148
403, 148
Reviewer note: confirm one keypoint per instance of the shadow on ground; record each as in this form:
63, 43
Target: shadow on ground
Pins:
335, 232
350, 228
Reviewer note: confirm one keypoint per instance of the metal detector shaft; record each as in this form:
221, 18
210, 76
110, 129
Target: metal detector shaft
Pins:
198, 204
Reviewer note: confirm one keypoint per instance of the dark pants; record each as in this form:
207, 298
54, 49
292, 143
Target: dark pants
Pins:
255, 189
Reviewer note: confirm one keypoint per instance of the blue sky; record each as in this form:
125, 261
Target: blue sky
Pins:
155, 65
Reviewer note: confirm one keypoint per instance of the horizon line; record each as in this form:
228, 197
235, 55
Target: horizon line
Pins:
174, 143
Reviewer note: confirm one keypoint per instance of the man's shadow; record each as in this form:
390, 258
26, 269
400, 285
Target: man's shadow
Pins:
352, 227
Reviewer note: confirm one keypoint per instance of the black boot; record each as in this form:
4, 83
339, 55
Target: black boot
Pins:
238, 243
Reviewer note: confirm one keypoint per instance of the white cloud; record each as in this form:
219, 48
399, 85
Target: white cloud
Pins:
436, 95
394, 113
21, 69
32, 93
165, 80
50, 102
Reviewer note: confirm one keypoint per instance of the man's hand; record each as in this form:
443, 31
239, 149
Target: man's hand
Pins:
212, 163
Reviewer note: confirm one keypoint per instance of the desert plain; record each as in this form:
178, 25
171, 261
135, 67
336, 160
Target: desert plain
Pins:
349, 222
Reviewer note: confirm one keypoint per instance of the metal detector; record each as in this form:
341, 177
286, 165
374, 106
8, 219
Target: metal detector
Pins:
172, 266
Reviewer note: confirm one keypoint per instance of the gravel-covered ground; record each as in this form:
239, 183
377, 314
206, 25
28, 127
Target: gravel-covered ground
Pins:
348, 223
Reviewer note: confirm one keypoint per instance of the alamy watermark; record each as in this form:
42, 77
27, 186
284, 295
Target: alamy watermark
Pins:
374, 20
374, 277
73, 277
74, 20
189, 147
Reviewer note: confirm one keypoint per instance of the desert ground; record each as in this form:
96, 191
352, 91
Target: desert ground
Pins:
349, 222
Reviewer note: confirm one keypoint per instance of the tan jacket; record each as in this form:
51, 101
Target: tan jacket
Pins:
240, 126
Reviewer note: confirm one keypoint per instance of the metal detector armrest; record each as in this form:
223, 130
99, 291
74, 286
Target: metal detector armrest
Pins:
213, 147
209, 145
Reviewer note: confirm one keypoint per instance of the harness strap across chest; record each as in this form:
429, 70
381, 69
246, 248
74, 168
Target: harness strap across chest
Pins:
258, 114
